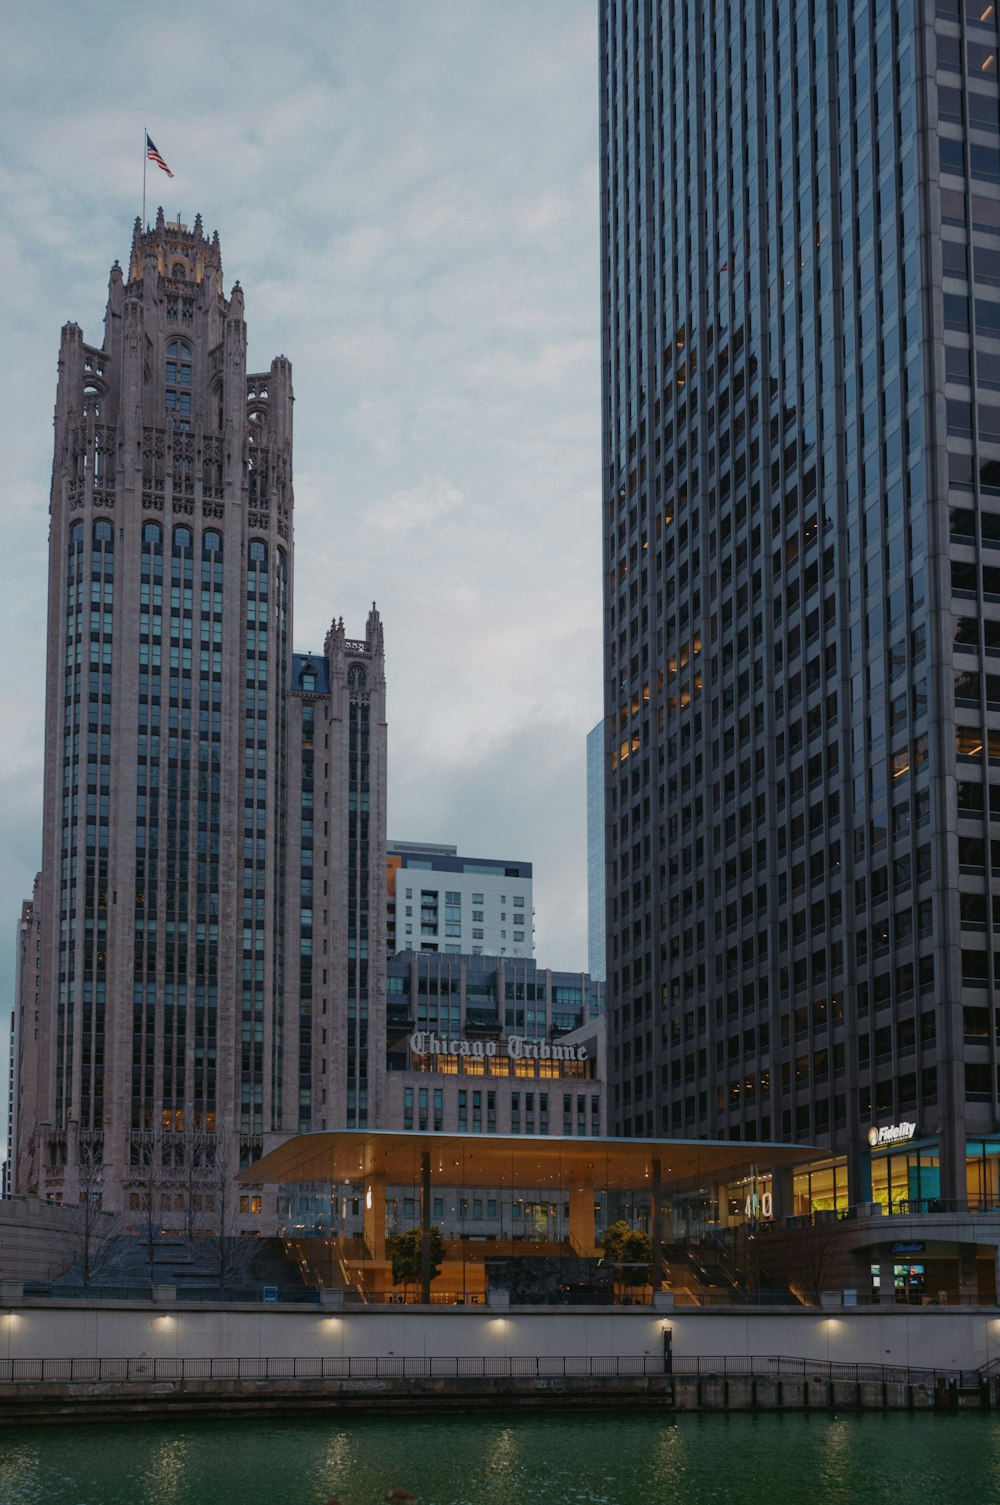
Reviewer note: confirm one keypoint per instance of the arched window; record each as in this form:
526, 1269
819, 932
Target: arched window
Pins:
282, 565
307, 677
258, 552
103, 532
177, 388
182, 539
178, 270
211, 543
152, 533
357, 677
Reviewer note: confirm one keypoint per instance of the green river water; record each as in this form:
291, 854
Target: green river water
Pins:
597, 1459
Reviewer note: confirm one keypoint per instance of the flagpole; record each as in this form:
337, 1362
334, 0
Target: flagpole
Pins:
144, 154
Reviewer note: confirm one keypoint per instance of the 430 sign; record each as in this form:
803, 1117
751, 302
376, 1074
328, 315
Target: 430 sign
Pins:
759, 1205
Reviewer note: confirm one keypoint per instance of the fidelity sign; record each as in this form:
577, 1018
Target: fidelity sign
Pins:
514, 1047
891, 1134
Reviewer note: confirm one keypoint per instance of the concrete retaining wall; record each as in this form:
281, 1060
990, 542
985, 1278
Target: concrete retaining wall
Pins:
937, 1338
63, 1402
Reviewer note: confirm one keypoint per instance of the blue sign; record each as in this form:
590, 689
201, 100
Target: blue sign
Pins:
271, 1292
907, 1248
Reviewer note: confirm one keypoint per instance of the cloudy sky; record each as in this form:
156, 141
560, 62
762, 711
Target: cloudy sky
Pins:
407, 191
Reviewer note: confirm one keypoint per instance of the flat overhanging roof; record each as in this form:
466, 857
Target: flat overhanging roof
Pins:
343, 1155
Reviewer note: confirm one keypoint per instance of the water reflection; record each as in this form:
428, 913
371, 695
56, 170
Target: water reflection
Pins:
669, 1459
592, 1459
503, 1456
163, 1482
335, 1463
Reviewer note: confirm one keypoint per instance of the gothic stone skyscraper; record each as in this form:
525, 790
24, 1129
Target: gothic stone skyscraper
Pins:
801, 212
163, 1000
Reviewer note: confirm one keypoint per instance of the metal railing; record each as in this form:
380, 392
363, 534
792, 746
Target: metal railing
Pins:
53, 1290
898, 1207
585, 1366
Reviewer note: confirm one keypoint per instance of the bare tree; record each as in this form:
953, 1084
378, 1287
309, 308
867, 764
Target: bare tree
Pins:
232, 1247
98, 1235
198, 1178
812, 1258
147, 1179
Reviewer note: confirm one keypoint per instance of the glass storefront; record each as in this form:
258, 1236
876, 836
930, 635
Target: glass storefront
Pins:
529, 1215
982, 1174
820, 1187
908, 1179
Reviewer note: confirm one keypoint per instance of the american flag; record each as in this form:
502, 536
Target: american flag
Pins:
154, 156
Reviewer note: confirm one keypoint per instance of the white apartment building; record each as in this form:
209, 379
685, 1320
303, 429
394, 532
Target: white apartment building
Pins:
440, 901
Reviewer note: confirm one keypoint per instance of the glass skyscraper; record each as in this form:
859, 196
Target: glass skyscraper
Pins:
596, 890
801, 379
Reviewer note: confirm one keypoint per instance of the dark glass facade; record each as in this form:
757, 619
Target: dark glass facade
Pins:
801, 211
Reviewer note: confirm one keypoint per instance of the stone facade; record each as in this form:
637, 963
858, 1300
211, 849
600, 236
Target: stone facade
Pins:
162, 1029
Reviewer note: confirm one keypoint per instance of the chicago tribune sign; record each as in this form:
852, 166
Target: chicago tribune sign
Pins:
891, 1134
514, 1047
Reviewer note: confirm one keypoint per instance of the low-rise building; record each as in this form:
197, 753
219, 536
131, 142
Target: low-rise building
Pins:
493, 1045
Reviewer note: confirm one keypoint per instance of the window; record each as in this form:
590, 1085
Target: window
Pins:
477, 898
477, 916
177, 386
